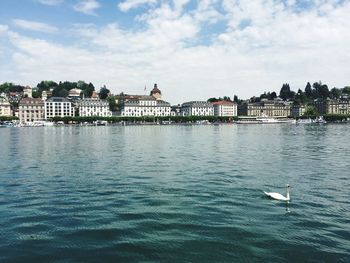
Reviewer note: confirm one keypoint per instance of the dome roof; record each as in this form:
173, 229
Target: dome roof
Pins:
155, 90
74, 92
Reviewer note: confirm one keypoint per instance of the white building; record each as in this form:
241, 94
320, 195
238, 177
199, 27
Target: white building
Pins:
197, 108
5, 107
27, 92
30, 109
58, 107
145, 106
225, 108
92, 107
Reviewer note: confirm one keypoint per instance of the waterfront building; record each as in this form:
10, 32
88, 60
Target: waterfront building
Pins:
270, 108
58, 107
145, 106
197, 108
298, 110
175, 110
225, 108
31, 109
5, 107
333, 106
94, 107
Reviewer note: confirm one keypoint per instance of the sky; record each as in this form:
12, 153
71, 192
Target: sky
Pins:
193, 49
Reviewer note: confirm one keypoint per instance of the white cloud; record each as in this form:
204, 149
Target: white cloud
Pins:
34, 26
130, 4
51, 2
87, 7
276, 45
3, 28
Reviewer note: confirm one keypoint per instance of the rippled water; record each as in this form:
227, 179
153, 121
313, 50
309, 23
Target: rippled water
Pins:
174, 194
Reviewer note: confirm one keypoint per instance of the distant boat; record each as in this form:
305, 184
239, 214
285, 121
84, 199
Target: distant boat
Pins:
320, 120
304, 121
264, 120
101, 123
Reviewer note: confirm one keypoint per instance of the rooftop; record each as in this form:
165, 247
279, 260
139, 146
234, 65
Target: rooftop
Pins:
223, 102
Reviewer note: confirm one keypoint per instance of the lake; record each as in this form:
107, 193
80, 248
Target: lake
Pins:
175, 193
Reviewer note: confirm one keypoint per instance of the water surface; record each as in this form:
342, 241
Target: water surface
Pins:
174, 194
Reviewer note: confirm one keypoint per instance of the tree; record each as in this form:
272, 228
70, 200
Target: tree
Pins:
36, 94
104, 93
212, 100
335, 93
286, 93
308, 91
264, 96
273, 95
60, 91
323, 92
235, 98
300, 97
310, 110
112, 104
346, 90
5, 87
46, 85
88, 89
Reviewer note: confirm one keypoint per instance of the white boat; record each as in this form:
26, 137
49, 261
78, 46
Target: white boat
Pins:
264, 120
320, 120
304, 121
36, 124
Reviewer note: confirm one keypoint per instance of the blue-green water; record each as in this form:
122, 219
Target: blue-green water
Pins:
174, 194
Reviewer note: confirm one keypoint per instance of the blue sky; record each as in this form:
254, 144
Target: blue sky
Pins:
193, 49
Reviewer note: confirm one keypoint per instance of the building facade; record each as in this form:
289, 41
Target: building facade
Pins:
58, 107
145, 106
197, 108
92, 107
298, 110
5, 107
30, 110
28, 92
225, 108
271, 108
175, 110
333, 106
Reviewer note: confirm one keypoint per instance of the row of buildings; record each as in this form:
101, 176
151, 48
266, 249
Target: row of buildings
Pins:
32, 109
38, 109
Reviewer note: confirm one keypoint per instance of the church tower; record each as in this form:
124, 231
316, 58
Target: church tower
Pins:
156, 93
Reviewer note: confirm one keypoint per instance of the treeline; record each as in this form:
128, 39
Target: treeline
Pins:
148, 119
8, 118
60, 89
306, 96
8, 87
225, 98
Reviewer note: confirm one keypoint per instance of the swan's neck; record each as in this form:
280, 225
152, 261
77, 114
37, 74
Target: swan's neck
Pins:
288, 197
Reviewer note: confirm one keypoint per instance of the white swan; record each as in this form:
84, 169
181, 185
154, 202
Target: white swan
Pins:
278, 196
